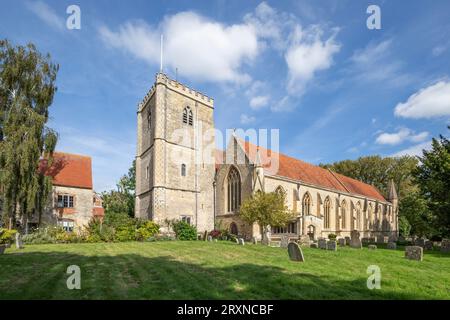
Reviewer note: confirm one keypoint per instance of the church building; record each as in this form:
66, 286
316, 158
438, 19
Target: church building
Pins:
180, 176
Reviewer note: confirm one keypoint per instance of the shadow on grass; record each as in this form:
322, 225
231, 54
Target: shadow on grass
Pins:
42, 275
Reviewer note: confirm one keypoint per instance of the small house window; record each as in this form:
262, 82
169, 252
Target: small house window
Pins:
183, 170
66, 225
65, 201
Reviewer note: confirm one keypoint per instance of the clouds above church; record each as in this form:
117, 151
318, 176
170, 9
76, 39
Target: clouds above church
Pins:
201, 49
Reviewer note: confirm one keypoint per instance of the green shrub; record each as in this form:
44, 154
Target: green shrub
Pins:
332, 236
99, 232
184, 231
7, 236
147, 230
48, 234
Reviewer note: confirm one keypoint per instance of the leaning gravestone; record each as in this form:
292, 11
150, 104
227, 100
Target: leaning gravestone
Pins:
347, 241
295, 252
355, 242
392, 245
205, 235
284, 241
313, 245
428, 245
414, 253
372, 247
445, 245
341, 242
420, 242
323, 244
331, 245
19, 243
241, 241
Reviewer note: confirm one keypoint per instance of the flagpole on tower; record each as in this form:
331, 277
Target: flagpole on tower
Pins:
161, 56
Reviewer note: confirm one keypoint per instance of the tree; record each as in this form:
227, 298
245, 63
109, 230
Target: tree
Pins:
122, 200
27, 87
414, 209
378, 171
433, 178
266, 209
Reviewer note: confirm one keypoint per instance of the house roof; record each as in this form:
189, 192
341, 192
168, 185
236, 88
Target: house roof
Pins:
305, 172
69, 170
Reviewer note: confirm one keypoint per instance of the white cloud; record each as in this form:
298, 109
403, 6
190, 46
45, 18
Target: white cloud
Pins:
438, 50
307, 55
402, 135
46, 14
259, 102
429, 102
245, 119
415, 150
200, 48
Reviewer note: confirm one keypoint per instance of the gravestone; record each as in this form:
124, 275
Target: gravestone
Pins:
304, 240
341, 242
210, 238
355, 242
284, 241
295, 252
205, 235
323, 244
313, 245
372, 247
414, 253
331, 245
445, 245
392, 245
428, 245
419, 242
19, 243
237, 240
241, 241
347, 241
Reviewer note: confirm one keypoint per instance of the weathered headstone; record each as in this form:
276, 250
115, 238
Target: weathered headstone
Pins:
19, 243
347, 241
414, 253
205, 235
313, 245
284, 241
241, 241
428, 245
445, 245
210, 238
323, 244
295, 252
341, 242
237, 240
355, 242
331, 245
420, 242
392, 245
372, 247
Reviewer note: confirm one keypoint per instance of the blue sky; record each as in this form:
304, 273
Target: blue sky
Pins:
334, 88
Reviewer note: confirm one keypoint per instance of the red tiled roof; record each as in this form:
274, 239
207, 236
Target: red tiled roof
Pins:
69, 170
299, 170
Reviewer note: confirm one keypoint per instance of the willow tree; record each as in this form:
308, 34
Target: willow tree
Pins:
27, 87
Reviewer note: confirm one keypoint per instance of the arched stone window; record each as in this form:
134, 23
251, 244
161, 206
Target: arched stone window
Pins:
326, 212
370, 219
306, 204
280, 190
149, 119
188, 116
233, 229
343, 214
183, 170
233, 190
358, 216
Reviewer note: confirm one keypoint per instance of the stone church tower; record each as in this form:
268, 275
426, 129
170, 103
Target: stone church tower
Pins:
175, 162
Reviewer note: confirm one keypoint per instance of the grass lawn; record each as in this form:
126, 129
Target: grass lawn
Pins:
221, 270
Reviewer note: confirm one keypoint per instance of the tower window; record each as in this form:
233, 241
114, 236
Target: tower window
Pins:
188, 116
183, 170
147, 172
149, 119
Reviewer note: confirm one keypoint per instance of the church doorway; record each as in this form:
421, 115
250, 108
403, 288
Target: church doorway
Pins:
233, 229
311, 232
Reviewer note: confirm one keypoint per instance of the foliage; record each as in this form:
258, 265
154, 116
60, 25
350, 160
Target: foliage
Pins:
266, 209
332, 236
414, 208
7, 236
404, 227
378, 171
99, 232
433, 177
44, 235
147, 230
184, 231
27, 87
